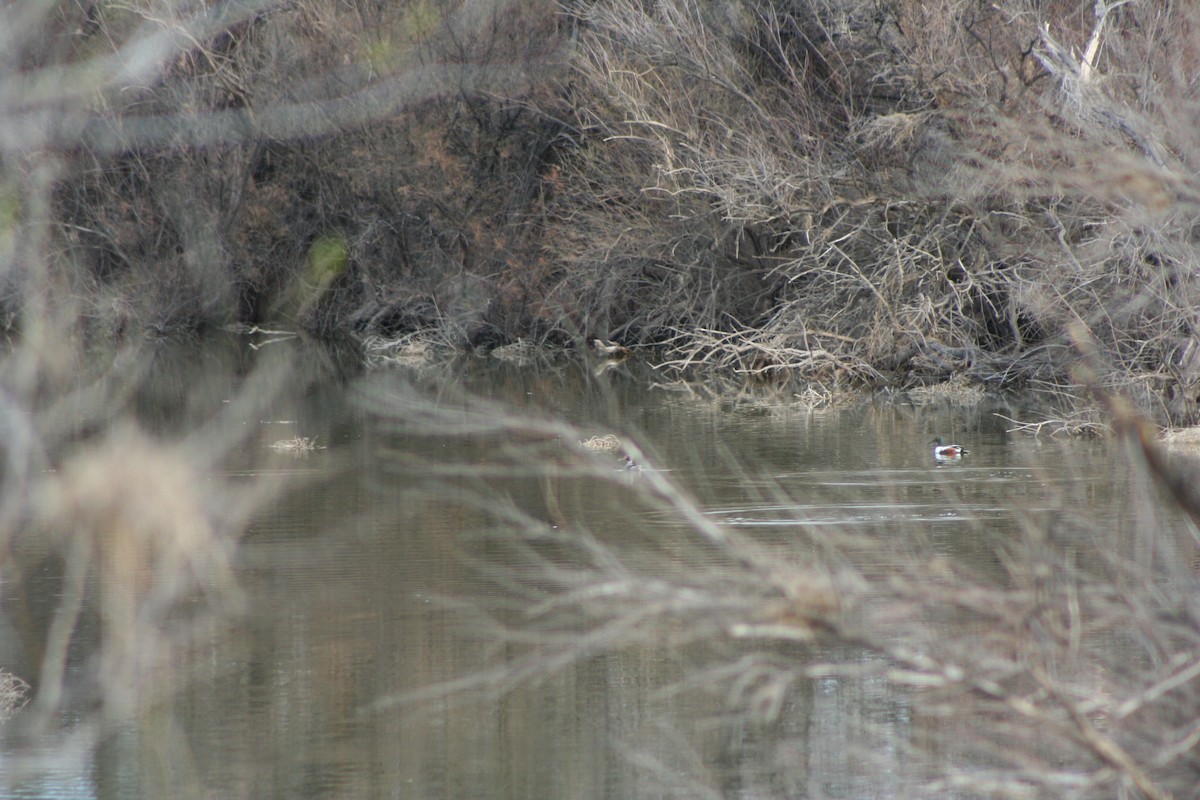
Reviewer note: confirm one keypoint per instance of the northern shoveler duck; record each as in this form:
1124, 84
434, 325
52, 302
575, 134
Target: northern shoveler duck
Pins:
948, 452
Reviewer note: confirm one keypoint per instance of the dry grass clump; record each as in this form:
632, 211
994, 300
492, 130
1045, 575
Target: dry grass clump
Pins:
14, 694
1186, 438
296, 446
957, 391
522, 352
418, 349
606, 443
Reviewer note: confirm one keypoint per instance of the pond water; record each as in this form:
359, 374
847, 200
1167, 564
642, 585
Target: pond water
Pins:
367, 586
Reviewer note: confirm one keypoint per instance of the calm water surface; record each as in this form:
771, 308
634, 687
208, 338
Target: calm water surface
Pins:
363, 585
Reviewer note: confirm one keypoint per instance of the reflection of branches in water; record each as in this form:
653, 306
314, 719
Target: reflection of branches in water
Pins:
1072, 664
765, 352
1058, 426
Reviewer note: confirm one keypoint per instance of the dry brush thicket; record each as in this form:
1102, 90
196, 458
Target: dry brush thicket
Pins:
898, 191
843, 191
334, 166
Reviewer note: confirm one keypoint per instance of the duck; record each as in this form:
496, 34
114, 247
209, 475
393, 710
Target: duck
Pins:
948, 452
631, 465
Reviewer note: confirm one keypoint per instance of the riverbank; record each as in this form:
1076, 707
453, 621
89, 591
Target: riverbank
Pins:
843, 195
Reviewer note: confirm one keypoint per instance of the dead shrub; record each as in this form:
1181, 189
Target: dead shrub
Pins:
900, 183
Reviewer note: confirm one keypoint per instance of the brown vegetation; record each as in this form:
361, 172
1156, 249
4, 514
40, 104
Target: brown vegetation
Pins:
843, 191
909, 191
